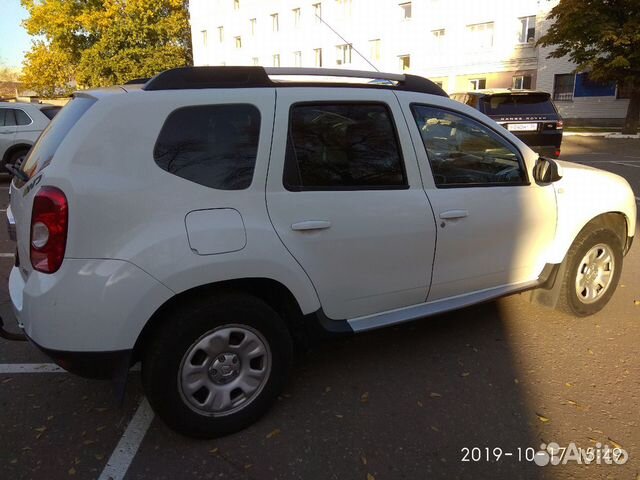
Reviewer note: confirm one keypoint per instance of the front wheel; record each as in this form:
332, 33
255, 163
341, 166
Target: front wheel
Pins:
592, 274
215, 367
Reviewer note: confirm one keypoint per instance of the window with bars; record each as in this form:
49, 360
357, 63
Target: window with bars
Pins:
563, 86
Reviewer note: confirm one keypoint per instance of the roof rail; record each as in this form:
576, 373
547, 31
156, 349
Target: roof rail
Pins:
255, 77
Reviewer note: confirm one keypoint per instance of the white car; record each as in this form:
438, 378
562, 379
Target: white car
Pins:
202, 222
20, 126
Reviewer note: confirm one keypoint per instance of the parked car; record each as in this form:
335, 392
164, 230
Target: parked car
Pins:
528, 114
20, 126
205, 222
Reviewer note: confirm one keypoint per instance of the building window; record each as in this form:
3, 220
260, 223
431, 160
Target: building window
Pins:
405, 10
344, 7
477, 83
405, 62
275, 24
438, 37
343, 53
256, 61
623, 90
480, 35
236, 4
276, 60
521, 82
317, 11
317, 53
563, 86
374, 49
238, 42
297, 59
527, 29
204, 38
221, 34
296, 16
253, 22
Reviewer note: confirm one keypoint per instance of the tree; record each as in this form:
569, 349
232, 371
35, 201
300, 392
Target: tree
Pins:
103, 42
603, 38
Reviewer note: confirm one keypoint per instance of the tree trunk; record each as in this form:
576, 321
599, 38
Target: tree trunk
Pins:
633, 113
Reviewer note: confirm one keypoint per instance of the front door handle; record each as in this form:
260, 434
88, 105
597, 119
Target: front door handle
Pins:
450, 214
311, 225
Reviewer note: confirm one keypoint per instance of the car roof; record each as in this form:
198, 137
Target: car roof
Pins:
39, 106
501, 91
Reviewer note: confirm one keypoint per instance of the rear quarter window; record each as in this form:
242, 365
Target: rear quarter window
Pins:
211, 145
45, 147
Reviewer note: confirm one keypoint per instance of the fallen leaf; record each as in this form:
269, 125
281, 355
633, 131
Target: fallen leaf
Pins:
420, 403
636, 302
542, 418
614, 443
213, 450
434, 428
516, 381
363, 459
364, 397
465, 374
590, 351
434, 395
571, 402
248, 466
327, 389
339, 416
40, 429
99, 456
72, 471
15, 460
568, 384
273, 433
370, 477
100, 428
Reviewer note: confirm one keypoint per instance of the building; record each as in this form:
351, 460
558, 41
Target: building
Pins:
459, 44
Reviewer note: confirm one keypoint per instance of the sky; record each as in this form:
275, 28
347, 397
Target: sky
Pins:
14, 40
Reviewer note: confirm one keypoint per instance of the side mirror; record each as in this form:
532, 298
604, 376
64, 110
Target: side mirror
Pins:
546, 171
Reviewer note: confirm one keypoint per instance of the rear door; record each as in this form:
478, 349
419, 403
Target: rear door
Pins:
7, 129
345, 197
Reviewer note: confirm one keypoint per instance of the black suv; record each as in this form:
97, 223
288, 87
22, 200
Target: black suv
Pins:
528, 114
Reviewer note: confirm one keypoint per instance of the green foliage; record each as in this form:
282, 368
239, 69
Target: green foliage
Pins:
603, 38
103, 42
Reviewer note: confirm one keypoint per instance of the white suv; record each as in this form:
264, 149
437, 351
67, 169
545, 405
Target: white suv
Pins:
205, 222
20, 126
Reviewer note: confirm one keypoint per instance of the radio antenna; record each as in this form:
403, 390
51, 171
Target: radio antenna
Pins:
346, 41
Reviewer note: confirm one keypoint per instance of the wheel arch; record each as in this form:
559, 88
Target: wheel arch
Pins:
13, 149
272, 292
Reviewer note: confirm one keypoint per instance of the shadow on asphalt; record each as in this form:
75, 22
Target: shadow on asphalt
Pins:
395, 403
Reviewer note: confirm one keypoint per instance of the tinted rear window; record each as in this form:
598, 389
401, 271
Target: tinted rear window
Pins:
517, 105
212, 145
45, 147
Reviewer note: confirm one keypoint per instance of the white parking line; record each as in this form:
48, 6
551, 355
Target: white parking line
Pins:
7, 255
30, 368
626, 164
128, 445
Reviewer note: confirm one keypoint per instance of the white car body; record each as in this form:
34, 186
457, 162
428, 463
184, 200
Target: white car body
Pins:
139, 236
19, 136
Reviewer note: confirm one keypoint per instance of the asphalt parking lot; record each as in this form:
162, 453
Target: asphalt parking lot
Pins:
400, 403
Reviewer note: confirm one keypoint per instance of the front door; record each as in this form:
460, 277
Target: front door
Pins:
495, 225
345, 196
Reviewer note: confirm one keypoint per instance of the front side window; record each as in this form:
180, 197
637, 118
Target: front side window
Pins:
7, 117
464, 153
342, 146
212, 145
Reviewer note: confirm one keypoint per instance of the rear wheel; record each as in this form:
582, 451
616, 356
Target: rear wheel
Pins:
592, 274
16, 159
214, 368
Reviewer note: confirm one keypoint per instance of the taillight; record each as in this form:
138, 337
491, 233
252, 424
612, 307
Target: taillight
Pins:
560, 124
49, 220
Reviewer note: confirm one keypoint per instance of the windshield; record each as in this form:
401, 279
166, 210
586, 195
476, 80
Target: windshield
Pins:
50, 139
514, 104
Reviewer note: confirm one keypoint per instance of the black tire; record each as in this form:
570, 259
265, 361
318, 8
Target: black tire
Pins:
15, 157
569, 300
181, 329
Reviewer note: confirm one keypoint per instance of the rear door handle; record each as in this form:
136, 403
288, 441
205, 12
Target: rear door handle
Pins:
450, 214
311, 225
